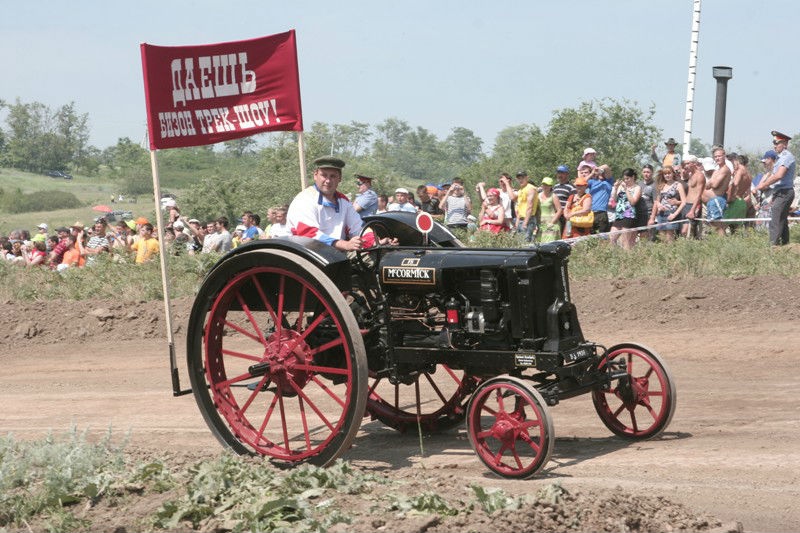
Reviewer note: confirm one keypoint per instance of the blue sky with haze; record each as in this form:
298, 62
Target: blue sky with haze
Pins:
434, 64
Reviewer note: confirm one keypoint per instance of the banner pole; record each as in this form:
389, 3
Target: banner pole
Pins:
162, 257
301, 149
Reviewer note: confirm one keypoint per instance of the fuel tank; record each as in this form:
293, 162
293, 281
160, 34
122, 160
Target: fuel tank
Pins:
437, 270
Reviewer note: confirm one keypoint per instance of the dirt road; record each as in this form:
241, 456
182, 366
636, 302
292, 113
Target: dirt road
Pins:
731, 450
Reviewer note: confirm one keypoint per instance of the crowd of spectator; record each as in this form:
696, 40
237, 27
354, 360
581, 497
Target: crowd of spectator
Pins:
135, 241
672, 200
679, 197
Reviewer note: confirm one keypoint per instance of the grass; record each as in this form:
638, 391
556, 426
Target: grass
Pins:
105, 279
89, 190
743, 254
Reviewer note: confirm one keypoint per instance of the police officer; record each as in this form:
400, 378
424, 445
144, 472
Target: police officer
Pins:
780, 180
366, 202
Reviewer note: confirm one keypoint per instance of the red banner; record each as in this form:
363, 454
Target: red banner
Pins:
211, 93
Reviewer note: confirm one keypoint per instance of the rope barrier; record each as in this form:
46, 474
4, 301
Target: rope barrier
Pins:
605, 235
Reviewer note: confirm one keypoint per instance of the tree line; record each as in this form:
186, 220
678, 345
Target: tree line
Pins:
262, 171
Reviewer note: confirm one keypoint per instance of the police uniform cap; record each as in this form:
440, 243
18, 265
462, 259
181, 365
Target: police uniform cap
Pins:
364, 178
780, 136
329, 162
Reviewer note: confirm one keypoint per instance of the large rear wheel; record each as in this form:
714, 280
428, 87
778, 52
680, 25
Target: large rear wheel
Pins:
435, 400
276, 359
640, 404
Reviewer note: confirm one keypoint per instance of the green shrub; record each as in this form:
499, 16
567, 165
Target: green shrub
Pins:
19, 202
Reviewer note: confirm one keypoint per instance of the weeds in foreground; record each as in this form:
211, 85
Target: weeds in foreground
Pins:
45, 478
52, 484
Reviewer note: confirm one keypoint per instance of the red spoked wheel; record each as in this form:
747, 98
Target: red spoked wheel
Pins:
435, 401
510, 428
640, 404
277, 363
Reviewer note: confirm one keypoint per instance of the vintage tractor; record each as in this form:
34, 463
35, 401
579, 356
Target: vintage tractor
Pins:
291, 343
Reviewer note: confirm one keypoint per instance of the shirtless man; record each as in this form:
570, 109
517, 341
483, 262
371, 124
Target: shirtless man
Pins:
696, 184
739, 202
715, 195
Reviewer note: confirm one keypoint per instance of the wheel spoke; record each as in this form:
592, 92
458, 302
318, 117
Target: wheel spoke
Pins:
633, 420
258, 338
234, 380
254, 393
435, 388
516, 456
489, 410
283, 422
311, 327
265, 301
279, 311
374, 385
530, 442
242, 355
301, 308
305, 422
500, 406
250, 319
300, 392
325, 388
452, 374
323, 369
483, 435
327, 346
267, 417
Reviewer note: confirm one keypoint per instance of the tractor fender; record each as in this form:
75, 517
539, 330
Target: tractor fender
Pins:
330, 260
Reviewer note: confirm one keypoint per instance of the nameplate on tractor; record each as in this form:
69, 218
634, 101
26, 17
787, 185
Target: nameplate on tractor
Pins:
525, 359
406, 275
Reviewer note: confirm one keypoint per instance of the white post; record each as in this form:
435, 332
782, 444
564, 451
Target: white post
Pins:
301, 149
687, 124
162, 256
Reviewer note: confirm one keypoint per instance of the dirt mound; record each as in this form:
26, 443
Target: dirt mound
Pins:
646, 301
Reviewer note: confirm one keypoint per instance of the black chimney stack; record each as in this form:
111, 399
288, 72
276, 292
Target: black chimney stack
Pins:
722, 75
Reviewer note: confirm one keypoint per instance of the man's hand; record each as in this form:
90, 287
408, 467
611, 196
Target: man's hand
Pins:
350, 245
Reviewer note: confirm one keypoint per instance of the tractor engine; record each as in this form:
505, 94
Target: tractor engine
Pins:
473, 299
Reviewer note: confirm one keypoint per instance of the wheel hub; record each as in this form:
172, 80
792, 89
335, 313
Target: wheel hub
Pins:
283, 352
506, 429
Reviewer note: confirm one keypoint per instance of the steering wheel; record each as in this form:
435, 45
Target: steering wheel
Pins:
364, 257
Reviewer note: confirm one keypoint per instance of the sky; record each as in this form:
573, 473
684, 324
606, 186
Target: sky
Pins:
434, 64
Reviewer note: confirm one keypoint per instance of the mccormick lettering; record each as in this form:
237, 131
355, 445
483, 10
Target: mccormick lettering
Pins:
425, 276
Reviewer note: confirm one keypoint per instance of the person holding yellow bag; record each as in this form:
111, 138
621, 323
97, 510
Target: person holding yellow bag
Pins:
578, 211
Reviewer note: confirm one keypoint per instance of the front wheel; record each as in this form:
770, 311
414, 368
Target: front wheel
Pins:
638, 405
510, 427
276, 359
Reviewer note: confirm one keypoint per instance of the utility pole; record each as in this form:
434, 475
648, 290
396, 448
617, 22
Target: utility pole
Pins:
687, 123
